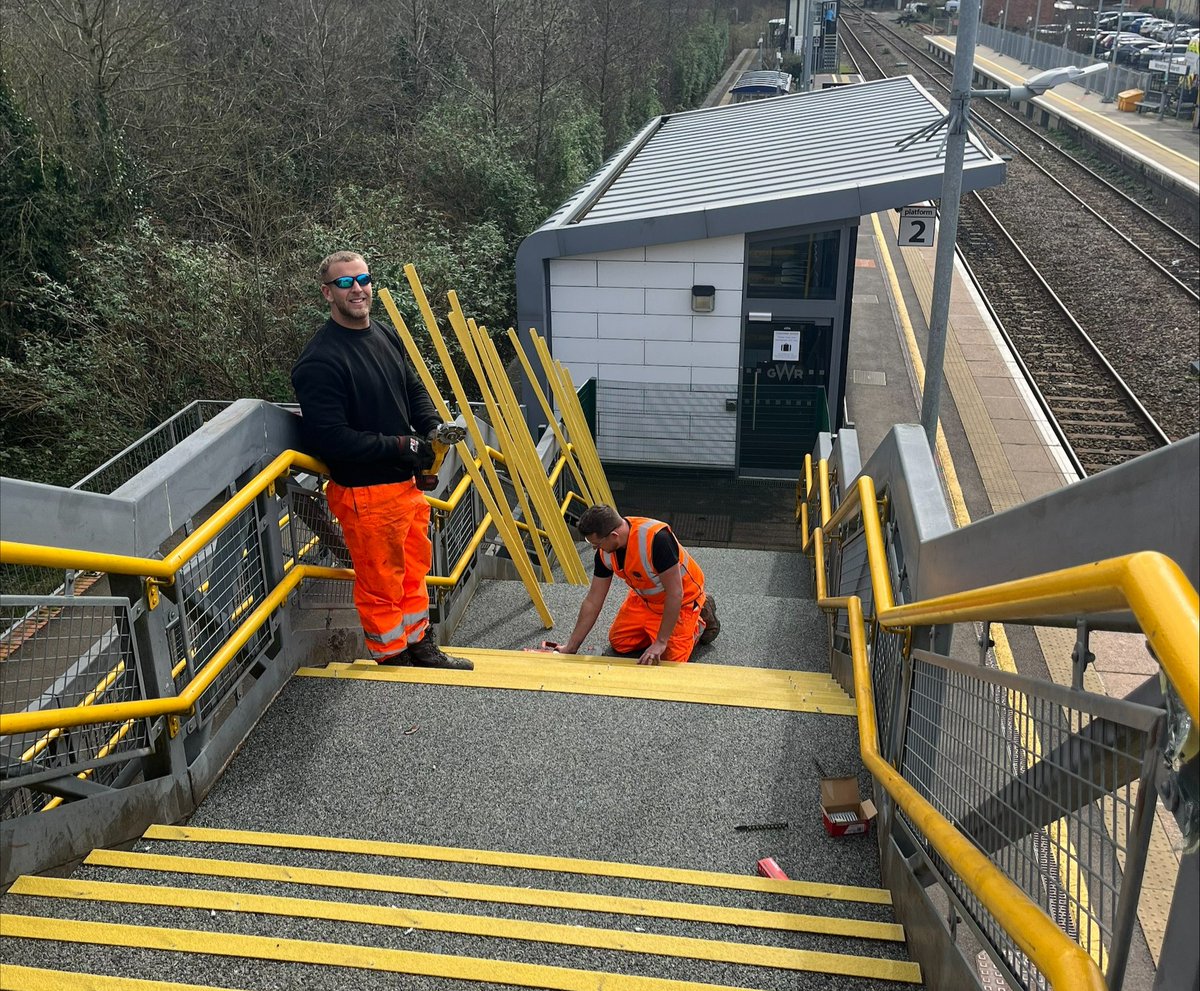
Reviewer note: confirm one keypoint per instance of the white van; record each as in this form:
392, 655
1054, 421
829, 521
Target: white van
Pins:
951, 6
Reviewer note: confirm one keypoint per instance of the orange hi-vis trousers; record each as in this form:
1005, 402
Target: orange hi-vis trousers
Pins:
387, 533
636, 627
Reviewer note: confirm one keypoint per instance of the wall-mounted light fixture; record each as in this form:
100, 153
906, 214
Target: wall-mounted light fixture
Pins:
704, 299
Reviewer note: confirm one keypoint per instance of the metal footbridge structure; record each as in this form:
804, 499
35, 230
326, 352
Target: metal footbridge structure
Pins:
204, 786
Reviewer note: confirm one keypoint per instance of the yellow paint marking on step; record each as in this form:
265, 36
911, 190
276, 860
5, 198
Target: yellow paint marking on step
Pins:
358, 957
525, 861
681, 947
14, 977
759, 688
503, 894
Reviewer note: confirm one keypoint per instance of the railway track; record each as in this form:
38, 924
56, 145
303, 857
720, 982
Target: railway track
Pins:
1098, 295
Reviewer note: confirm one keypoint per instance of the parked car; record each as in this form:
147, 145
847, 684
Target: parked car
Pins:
1128, 51
1147, 26
1158, 52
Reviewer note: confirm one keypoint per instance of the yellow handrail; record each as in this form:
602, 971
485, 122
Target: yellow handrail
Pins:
185, 701
1063, 961
1148, 583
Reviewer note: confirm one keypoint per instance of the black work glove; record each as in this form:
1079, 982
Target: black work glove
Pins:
416, 454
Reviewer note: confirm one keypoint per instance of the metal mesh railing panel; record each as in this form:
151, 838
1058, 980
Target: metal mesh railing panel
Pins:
458, 527
59, 652
218, 589
994, 754
677, 424
145, 451
852, 577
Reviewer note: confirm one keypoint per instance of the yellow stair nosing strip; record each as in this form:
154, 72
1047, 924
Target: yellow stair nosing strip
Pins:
565, 865
782, 699
471, 891
16, 977
336, 954
682, 947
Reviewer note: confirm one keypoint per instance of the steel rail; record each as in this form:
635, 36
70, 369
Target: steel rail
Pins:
1122, 385
1045, 143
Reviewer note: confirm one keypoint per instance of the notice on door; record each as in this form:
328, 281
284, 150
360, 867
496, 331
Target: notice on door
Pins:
786, 345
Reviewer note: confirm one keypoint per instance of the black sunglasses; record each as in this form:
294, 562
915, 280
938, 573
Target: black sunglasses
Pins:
346, 281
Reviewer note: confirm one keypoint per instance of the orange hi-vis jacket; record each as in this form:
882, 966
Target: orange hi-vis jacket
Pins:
638, 571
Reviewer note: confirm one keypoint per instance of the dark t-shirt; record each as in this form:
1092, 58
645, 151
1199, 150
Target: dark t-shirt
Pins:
664, 555
358, 393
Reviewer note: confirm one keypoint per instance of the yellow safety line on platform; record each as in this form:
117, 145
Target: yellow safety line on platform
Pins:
762, 688
1067, 862
499, 894
683, 947
335, 955
14, 977
523, 861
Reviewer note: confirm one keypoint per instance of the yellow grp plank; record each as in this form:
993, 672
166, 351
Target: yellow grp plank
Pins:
551, 419
14, 977
612, 683
682, 947
489, 489
572, 414
338, 955
520, 476
499, 894
523, 861
542, 490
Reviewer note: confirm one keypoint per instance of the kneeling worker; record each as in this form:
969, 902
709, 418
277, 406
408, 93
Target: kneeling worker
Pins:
666, 612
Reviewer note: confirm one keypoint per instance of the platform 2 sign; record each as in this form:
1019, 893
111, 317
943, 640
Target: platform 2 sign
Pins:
918, 225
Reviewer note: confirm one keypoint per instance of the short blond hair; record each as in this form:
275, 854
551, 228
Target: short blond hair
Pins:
336, 258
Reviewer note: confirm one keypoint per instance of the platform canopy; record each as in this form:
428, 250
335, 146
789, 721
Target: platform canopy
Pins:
806, 158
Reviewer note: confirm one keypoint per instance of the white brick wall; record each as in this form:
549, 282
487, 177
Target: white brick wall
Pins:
626, 316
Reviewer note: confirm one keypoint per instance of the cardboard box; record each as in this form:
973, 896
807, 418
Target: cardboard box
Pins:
843, 812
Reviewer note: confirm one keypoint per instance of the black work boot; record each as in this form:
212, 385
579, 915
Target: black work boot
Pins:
427, 654
712, 625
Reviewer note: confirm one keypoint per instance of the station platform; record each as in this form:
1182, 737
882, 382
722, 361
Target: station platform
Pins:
1165, 145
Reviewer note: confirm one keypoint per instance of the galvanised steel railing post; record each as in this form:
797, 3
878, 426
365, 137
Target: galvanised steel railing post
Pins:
1135, 862
154, 658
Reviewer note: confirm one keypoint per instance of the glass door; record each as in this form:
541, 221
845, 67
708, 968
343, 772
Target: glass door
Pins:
783, 401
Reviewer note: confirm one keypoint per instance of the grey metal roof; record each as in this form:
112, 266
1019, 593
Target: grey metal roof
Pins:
809, 158
802, 145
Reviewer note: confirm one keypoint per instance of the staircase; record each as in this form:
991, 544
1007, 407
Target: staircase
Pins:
251, 909
540, 822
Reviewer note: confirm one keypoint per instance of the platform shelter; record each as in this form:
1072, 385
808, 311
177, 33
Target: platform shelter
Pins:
704, 276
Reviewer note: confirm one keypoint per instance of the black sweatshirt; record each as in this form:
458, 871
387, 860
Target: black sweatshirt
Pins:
358, 393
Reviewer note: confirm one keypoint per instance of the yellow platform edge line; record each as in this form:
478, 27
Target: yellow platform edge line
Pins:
784, 700
471, 891
15, 977
336, 955
565, 865
681, 947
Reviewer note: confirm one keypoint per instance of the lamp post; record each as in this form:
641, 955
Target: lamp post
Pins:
1037, 19
956, 143
1110, 87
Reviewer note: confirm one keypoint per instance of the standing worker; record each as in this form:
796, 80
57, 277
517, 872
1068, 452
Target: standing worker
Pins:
666, 612
367, 416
